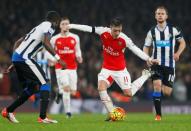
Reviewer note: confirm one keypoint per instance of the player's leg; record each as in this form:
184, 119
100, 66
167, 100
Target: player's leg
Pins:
157, 97
104, 81
157, 85
124, 81
168, 80
73, 88
22, 72
39, 76
66, 100
64, 89
59, 92
138, 83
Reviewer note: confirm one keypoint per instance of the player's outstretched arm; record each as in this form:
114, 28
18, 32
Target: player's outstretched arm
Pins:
142, 55
90, 29
79, 27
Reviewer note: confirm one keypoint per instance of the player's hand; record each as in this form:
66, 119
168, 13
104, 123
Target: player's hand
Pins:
62, 63
51, 63
79, 59
9, 69
176, 56
151, 62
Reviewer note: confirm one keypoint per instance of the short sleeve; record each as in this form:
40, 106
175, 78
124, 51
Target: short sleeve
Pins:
178, 33
148, 39
46, 28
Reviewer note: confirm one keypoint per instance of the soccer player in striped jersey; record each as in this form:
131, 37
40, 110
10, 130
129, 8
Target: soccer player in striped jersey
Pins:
67, 46
114, 66
163, 38
30, 74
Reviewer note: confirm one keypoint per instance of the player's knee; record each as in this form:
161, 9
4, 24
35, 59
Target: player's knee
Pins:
157, 86
167, 92
66, 89
128, 92
102, 85
73, 92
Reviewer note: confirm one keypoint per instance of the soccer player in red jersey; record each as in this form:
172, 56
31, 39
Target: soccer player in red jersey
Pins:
114, 65
67, 46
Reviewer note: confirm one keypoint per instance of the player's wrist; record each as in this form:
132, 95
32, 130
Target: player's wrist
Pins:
57, 57
149, 59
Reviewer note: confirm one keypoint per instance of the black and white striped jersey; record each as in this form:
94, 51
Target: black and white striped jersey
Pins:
163, 42
32, 43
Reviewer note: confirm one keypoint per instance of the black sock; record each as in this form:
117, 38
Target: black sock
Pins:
19, 101
44, 96
157, 104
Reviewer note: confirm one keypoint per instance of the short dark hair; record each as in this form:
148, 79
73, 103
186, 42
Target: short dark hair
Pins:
52, 16
116, 22
65, 18
162, 7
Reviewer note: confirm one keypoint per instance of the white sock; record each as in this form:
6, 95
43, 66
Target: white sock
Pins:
66, 101
137, 84
105, 98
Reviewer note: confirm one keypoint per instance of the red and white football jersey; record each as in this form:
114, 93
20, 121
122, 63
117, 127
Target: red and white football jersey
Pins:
113, 49
68, 48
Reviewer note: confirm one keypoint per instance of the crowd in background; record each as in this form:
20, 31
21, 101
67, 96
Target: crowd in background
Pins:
19, 16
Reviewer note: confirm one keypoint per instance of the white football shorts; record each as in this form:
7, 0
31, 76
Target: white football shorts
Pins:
122, 78
67, 78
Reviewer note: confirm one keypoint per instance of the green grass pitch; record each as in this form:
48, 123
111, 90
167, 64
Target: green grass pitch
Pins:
95, 122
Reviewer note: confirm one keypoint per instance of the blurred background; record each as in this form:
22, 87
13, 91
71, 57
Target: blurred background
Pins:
20, 16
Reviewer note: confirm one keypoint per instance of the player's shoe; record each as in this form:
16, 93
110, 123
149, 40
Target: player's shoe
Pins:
68, 115
157, 118
108, 119
10, 116
46, 120
58, 98
149, 72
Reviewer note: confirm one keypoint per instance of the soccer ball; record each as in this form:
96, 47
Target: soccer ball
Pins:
117, 114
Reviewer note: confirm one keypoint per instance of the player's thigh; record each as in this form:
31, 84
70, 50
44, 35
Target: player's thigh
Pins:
168, 81
20, 74
62, 78
123, 79
104, 79
27, 77
35, 72
73, 80
105, 75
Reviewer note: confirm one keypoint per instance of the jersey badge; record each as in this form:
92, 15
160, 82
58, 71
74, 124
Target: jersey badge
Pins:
119, 43
72, 41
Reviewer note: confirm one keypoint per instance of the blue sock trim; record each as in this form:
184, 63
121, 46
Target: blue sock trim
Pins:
157, 94
45, 87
